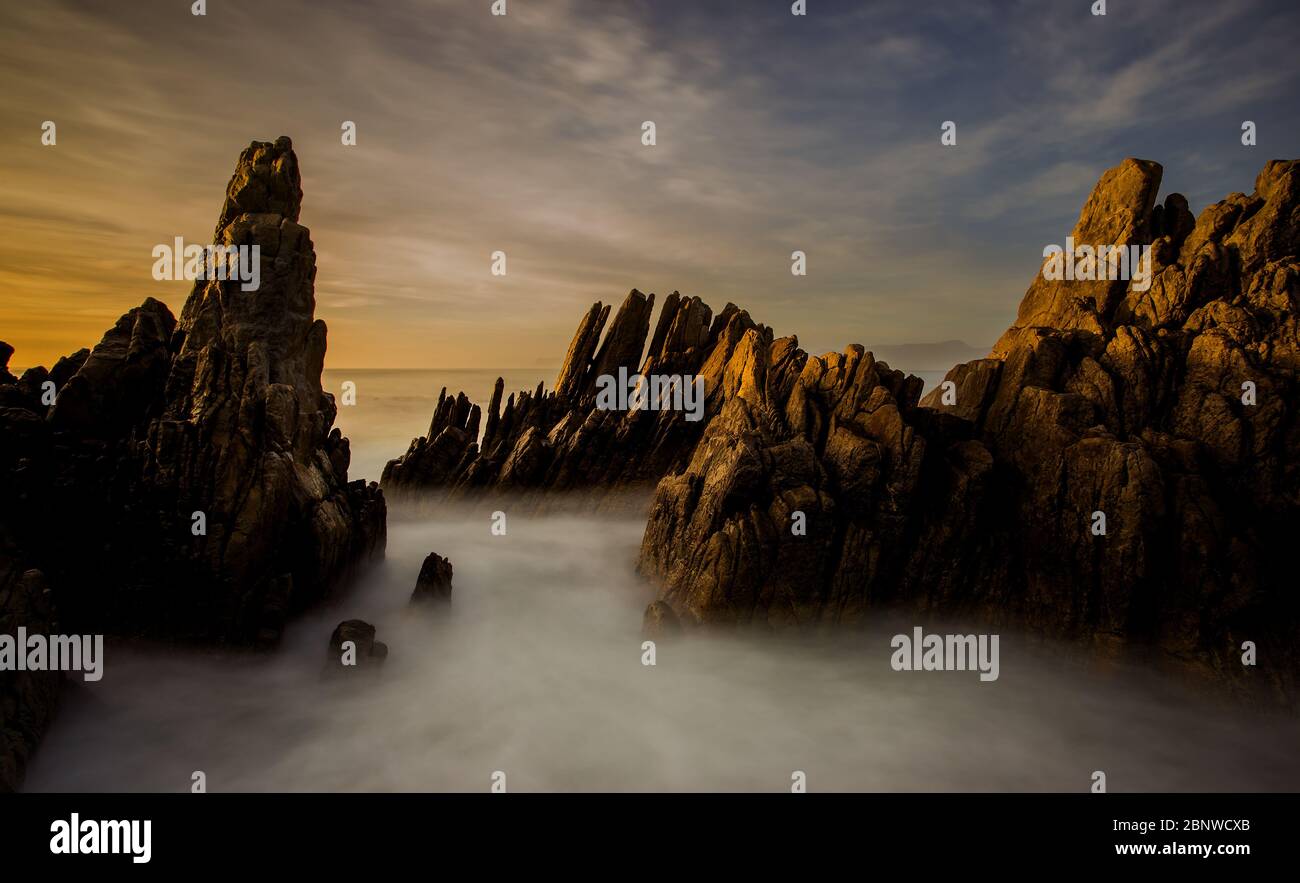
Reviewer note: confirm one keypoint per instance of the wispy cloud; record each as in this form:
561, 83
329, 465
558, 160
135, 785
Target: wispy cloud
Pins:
522, 133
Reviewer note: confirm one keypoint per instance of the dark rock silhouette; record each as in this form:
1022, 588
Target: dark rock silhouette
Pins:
221, 413
244, 429
561, 440
434, 581
365, 653
28, 699
1100, 398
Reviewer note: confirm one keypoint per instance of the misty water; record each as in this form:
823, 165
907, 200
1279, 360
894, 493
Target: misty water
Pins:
536, 670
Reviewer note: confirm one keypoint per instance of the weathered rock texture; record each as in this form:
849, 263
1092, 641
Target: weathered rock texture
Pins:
220, 413
561, 440
1100, 398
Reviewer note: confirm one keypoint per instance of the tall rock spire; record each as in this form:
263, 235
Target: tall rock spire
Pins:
245, 432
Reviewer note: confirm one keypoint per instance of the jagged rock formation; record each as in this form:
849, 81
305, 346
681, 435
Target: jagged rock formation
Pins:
434, 582
562, 440
244, 433
820, 446
222, 414
1100, 398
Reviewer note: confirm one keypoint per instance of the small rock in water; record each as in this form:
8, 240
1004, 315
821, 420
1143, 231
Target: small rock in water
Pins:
363, 650
434, 581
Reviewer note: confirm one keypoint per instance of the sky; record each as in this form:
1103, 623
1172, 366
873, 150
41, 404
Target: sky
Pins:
522, 133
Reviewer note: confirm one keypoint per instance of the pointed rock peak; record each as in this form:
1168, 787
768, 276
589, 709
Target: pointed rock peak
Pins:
1119, 208
574, 368
1120, 211
1273, 172
667, 313
266, 181
626, 338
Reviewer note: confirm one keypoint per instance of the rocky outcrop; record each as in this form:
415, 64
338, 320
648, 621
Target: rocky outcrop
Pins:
244, 433
185, 480
28, 699
353, 645
825, 487
181, 479
794, 507
568, 439
434, 582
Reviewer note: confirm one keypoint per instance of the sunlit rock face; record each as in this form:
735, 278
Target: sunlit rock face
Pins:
1168, 405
